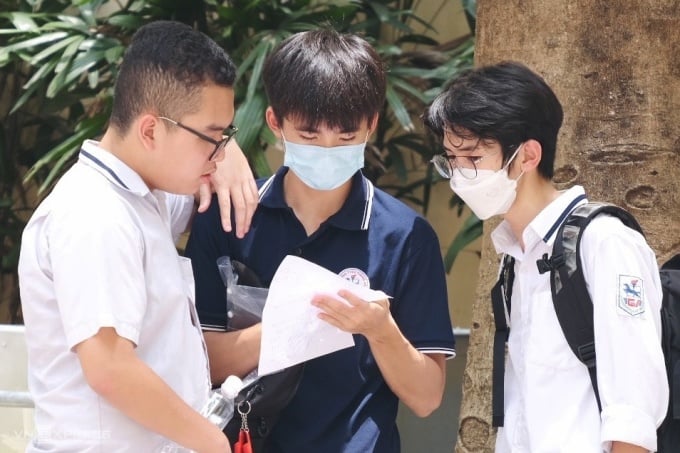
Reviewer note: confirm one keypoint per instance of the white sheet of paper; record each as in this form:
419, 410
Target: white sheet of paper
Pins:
291, 331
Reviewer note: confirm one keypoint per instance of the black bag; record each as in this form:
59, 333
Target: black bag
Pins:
263, 399
574, 310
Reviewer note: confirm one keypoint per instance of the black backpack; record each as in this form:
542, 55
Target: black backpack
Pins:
574, 310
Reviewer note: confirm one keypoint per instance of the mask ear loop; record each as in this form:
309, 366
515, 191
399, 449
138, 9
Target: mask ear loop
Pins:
284, 140
505, 167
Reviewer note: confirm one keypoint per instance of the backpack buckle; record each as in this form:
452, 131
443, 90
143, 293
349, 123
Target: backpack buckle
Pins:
586, 354
546, 264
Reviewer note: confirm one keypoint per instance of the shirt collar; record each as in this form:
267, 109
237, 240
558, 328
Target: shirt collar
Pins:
112, 168
355, 213
543, 227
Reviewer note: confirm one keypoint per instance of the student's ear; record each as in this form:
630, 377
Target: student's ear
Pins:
373, 124
272, 121
146, 129
530, 155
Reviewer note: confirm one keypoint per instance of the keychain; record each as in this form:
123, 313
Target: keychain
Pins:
243, 444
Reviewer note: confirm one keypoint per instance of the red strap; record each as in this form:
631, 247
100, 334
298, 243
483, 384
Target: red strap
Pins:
243, 444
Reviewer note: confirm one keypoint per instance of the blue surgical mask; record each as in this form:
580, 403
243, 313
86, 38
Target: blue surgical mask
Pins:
323, 168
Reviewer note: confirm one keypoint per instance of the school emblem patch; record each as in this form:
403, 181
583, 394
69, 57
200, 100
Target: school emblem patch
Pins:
630, 297
356, 276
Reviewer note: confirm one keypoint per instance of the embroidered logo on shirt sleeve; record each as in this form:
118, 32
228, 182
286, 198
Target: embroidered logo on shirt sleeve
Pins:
630, 295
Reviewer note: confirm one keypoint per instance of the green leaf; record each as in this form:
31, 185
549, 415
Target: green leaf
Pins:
37, 58
56, 170
256, 75
260, 165
55, 157
70, 23
113, 54
77, 67
88, 10
32, 42
72, 49
470, 231
470, 7
387, 16
58, 81
83, 62
10, 31
127, 21
23, 22
388, 50
32, 85
416, 39
408, 88
250, 121
399, 109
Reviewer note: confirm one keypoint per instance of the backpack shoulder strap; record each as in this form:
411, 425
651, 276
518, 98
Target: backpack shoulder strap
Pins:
501, 294
573, 305
670, 340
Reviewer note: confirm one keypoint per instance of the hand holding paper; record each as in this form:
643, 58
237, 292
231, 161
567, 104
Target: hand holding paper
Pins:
291, 330
352, 314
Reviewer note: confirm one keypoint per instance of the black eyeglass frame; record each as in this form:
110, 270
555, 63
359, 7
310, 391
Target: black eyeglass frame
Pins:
444, 160
228, 134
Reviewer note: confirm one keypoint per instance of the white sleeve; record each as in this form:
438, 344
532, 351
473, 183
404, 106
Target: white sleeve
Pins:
180, 209
96, 257
623, 281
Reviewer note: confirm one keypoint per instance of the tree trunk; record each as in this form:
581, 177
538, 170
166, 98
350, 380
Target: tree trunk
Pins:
615, 66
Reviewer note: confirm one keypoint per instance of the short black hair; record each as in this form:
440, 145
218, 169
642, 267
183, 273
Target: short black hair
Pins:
164, 69
323, 76
505, 102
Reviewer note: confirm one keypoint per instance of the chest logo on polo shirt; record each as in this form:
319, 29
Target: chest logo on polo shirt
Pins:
630, 296
356, 276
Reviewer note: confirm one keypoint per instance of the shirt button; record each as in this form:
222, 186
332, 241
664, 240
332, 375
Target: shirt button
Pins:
298, 252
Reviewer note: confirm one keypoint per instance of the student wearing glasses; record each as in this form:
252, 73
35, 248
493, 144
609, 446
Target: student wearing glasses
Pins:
116, 354
325, 92
499, 125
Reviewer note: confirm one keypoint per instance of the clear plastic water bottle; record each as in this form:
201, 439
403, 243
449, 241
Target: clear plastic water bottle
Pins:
250, 378
220, 406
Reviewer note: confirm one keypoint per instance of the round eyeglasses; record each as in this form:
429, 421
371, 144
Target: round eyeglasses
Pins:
446, 163
227, 135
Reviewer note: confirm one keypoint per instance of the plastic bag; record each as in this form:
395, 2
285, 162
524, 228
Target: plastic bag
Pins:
245, 299
264, 397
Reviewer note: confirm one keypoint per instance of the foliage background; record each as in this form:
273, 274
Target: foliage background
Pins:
58, 60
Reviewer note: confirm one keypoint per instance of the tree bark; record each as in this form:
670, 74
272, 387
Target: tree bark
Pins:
615, 66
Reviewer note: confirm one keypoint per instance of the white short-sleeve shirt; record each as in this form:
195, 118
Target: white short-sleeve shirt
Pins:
99, 252
550, 405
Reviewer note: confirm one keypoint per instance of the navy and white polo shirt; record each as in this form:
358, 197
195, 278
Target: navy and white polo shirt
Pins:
343, 403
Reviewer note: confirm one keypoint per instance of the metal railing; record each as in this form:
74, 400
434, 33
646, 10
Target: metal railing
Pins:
12, 351
15, 399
